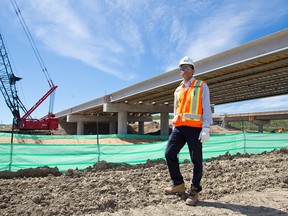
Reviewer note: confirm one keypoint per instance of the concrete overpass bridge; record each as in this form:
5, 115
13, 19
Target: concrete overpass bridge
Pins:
258, 118
254, 70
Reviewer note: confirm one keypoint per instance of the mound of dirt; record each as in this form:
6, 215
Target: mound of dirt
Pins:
242, 184
153, 128
216, 129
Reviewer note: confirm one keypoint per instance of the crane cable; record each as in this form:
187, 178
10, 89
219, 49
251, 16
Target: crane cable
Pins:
32, 42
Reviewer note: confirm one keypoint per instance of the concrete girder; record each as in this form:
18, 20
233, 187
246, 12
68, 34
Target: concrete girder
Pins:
272, 115
119, 107
247, 52
81, 118
262, 72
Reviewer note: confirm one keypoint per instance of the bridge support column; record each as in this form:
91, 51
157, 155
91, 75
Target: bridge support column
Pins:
223, 121
80, 128
164, 124
112, 127
141, 127
122, 122
260, 124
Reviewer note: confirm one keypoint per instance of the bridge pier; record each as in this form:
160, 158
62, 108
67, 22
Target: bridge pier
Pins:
123, 109
122, 122
260, 124
80, 128
108, 124
112, 127
164, 124
141, 127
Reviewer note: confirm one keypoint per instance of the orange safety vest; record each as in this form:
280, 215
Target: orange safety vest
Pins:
188, 105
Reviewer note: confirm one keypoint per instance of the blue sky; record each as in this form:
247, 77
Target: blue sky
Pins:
92, 48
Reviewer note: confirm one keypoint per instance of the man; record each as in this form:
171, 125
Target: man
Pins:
192, 119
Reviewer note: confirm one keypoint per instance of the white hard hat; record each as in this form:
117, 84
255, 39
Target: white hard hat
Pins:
186, 60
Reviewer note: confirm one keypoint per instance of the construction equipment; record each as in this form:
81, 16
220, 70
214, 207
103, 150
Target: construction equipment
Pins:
9, 92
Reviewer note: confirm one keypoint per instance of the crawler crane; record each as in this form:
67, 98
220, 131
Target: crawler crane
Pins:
8, 89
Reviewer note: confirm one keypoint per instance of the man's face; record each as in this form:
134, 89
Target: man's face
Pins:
186, 71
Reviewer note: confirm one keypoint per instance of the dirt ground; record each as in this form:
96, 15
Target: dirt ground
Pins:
232, 185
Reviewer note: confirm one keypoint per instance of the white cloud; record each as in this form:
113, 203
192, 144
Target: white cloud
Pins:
218, 32
66, 33
218, 27
122, 33
130, 34
132, 40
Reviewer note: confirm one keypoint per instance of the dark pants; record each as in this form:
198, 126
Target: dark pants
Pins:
177, 140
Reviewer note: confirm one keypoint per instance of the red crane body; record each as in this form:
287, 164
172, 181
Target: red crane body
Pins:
48, 122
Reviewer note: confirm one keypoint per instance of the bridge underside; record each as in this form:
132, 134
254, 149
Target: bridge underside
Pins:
254, 70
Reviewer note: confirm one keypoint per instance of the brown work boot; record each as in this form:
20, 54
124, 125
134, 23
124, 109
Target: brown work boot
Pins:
193, 196
177, 189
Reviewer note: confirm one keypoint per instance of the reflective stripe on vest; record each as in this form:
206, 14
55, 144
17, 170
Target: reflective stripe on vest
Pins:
192, 115
195, 97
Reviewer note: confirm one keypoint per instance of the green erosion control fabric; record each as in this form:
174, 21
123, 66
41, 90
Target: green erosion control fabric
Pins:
21, 156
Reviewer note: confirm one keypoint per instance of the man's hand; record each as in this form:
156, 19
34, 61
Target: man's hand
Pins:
204, 135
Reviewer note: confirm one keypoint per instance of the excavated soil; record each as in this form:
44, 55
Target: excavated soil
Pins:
232, 185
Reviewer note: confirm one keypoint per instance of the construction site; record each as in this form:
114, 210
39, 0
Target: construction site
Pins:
107, 156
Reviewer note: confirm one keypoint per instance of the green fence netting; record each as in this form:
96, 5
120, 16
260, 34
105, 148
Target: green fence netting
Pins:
74, 155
